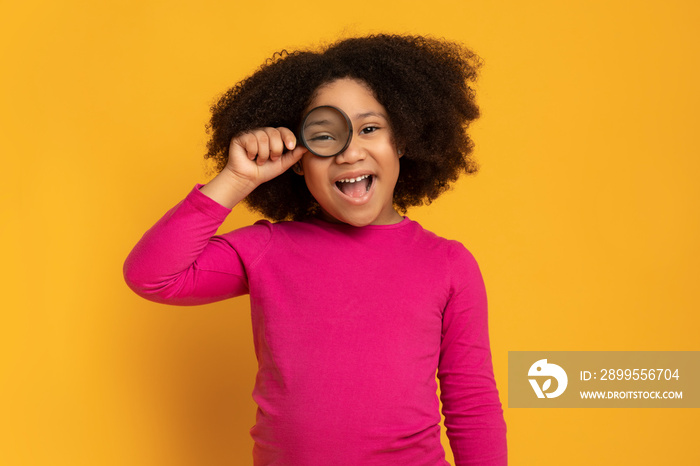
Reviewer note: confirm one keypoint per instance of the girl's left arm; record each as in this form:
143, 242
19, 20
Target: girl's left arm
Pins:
471, 406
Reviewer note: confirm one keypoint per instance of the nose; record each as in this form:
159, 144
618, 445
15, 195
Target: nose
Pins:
355, 152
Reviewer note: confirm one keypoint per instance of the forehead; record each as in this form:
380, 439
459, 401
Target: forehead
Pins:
348, 94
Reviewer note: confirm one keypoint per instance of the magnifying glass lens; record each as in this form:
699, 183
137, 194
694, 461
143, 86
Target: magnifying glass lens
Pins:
326, 131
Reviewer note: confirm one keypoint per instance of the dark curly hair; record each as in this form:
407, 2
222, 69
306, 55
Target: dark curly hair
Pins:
424, 84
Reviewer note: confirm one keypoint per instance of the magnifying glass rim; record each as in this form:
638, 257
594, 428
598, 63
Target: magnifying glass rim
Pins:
306, 117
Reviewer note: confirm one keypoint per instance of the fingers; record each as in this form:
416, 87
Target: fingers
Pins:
248, 142
290, 140
265, 144
263, 153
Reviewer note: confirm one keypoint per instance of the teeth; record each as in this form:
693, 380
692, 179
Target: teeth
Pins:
353, 180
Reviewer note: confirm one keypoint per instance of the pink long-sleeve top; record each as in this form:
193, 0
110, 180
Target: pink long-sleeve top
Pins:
350, 325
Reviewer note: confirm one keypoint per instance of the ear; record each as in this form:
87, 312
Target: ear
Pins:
298, 169
400, 152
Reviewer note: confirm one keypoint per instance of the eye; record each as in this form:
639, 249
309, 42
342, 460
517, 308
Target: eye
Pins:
369, 129
322, 137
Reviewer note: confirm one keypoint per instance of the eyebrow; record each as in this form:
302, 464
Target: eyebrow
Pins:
370, 114
318, 123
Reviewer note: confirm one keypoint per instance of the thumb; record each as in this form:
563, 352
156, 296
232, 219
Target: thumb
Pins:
293, 156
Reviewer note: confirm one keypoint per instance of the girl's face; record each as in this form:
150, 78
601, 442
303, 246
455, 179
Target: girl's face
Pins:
356, 186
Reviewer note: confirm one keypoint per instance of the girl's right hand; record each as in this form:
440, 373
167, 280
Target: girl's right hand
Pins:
262, 154
254, 157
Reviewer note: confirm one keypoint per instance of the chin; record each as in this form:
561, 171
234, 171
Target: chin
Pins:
360, 223
357, 220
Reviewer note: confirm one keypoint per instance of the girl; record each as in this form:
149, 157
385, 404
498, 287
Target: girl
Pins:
354, 306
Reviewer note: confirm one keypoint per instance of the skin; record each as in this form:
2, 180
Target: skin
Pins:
259, 156
371, 151
254, 158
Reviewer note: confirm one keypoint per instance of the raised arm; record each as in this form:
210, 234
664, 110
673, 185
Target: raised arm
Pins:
178, 261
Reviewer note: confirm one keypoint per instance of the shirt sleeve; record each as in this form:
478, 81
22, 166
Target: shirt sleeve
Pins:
181, 261
471, 406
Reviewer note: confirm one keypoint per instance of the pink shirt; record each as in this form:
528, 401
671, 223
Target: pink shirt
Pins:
350, 325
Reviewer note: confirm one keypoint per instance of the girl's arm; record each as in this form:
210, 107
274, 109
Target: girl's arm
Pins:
179, 261
471, 406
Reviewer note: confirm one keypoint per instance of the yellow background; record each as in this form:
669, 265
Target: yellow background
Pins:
584, 216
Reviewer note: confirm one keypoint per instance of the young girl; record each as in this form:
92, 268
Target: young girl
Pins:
354, 307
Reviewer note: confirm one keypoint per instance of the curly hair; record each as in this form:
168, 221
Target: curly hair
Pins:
423, 83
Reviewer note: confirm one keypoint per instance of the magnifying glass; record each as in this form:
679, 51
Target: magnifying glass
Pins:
326, 131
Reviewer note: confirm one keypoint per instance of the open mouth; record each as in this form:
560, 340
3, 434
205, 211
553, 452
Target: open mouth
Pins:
355, 187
